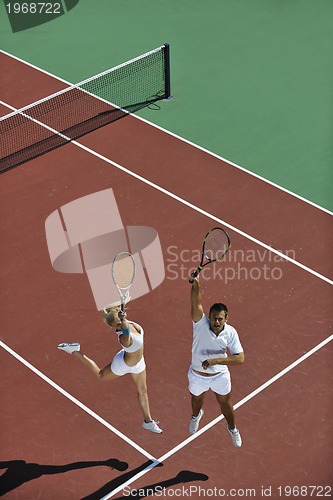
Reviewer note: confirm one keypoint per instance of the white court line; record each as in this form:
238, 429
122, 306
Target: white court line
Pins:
184, 140
219, 418
179, 199
204, 212
283, 372
77, 402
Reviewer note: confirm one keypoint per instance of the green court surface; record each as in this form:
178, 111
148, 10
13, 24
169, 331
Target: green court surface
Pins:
251, 80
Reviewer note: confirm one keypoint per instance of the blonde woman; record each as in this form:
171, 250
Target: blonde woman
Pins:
129, 360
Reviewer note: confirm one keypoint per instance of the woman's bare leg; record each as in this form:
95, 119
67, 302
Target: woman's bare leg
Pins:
140, 380
105, 374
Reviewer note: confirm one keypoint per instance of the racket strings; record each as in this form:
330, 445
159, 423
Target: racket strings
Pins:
216, 244
123, 271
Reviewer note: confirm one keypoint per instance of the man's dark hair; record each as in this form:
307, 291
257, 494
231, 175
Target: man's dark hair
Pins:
218, 307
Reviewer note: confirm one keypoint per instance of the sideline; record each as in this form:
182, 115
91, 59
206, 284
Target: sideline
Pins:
243, 169
175, 197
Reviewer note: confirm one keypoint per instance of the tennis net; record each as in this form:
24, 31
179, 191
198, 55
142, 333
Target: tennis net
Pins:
79, 109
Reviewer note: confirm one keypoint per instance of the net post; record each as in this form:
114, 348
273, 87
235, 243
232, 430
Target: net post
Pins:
167, 71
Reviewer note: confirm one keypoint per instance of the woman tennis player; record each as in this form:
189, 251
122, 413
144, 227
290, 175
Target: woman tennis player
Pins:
129, 359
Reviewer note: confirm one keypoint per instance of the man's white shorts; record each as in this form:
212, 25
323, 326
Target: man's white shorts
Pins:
119, 367
220, 383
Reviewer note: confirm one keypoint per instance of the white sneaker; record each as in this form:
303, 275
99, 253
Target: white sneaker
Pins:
69, 348
194, 423
235, 436
152, 426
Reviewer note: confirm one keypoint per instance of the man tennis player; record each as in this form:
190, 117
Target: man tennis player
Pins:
215, 346
128, 360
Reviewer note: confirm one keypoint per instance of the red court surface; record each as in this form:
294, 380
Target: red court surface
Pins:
61, 429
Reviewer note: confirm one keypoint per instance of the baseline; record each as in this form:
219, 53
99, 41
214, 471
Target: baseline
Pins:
221, 417
77, 402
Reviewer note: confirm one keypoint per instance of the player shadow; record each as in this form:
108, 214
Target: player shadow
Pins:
19, 472
182, 477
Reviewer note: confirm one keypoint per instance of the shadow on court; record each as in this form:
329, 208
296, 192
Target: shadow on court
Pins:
19, 472
182, 477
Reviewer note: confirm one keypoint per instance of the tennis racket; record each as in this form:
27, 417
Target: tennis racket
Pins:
123, 273
215, 246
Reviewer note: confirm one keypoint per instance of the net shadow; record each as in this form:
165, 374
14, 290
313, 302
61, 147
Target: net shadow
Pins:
80, 109
55, 140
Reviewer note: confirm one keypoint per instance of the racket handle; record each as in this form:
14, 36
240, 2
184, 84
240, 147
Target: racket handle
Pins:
194, 275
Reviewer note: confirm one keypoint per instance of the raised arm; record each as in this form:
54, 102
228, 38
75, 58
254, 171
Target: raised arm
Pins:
196, 306
124, 338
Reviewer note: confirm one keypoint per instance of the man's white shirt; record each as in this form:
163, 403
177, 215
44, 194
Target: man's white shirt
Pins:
207, 345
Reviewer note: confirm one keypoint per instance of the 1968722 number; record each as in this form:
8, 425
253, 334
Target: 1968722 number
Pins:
305, 491
34, 8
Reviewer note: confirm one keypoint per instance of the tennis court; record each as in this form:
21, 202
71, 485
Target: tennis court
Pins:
65, 435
